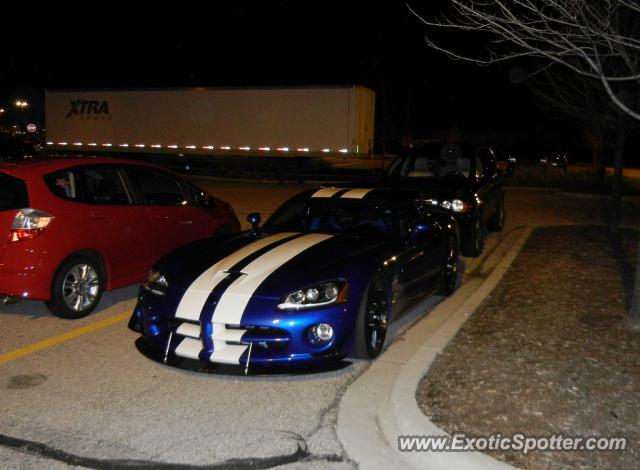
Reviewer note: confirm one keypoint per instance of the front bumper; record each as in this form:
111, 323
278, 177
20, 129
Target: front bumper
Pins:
267, 337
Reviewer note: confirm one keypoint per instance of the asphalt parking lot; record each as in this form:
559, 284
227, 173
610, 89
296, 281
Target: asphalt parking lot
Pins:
84, 393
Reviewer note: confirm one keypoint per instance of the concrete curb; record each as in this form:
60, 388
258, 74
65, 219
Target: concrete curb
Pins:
380, 405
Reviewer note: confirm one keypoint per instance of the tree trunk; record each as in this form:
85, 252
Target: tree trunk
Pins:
616, 193
634, 313
598, 160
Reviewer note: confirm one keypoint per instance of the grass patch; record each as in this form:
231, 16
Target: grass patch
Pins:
575, 181
548, 352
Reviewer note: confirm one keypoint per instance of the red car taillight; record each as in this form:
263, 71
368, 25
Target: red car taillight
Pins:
28, 223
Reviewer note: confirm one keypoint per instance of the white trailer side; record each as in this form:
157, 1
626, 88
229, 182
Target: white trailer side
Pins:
251, 121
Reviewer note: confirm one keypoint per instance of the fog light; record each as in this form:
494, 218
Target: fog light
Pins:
324, 332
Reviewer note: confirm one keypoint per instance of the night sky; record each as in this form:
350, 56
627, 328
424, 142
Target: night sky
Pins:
268, 43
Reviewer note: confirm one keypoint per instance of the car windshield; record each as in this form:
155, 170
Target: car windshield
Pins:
333, 216
434, 160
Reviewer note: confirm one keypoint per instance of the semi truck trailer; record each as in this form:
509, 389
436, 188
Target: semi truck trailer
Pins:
282, 122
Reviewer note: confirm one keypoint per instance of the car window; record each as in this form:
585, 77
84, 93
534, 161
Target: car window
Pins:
198, 196
104, 185
333, 216
157, 188
64, 184
13, 193
289, 216
431, 161
485, 160
479, 167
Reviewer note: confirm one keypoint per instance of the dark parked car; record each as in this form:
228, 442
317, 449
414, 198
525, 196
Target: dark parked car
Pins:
322, 279
73, 227
506, 163
461, 178
558, 160
14, 149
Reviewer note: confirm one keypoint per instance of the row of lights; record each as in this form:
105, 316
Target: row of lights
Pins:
193, 147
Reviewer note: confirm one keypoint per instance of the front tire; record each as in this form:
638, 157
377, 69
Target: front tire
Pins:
474, 241
450, 278
77, 287
371, 325
496, 223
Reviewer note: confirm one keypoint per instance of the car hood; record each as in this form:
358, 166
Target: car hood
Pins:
270, 265
431, 187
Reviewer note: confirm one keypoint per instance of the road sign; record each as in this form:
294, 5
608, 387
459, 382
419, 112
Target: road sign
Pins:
32, 127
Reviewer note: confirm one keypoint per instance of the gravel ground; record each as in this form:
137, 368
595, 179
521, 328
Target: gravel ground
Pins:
548, 352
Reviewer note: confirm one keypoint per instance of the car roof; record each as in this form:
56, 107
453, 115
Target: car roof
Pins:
419, 148
39, 166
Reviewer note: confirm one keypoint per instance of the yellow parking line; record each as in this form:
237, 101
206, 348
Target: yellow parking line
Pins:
47, 343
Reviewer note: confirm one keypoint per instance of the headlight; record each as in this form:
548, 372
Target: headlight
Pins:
318, 295
458, 206
156, 283
455, 205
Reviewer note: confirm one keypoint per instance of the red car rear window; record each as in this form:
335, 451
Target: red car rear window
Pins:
13, 193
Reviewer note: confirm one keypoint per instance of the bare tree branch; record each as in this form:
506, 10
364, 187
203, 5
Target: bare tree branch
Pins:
596, 39
597, 42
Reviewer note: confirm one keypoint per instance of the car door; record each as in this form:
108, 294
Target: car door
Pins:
171, 219
203, 212
488, 181
117, 226
421, 258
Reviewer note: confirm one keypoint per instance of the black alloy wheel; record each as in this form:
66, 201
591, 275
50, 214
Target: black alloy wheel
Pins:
496, 224
373, 318
474, 239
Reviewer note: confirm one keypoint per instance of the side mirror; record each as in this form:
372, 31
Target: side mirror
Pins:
254, 219
205, 201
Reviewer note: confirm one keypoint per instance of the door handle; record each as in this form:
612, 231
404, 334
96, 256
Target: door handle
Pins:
185, 222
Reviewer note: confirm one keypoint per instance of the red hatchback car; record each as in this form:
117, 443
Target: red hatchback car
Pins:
75, 226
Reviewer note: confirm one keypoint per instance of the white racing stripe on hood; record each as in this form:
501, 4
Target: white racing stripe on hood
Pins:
326, 192
356, 193
235, 299
196, 295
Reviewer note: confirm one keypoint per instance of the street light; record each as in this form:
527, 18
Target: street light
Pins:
22, 105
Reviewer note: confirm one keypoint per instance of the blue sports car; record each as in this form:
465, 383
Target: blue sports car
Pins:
321, 280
